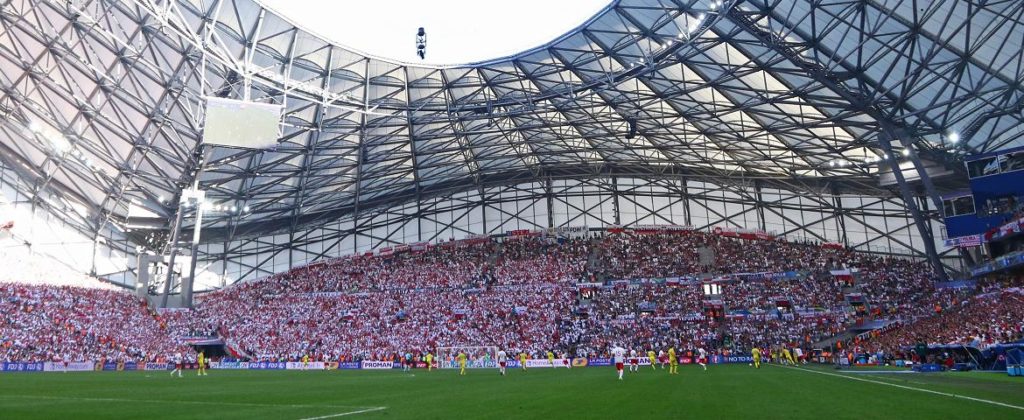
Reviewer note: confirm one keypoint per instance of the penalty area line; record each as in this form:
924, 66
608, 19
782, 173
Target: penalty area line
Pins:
929, 391
347, 413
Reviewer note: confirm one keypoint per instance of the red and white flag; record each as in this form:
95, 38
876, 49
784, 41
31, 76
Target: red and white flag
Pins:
844, 275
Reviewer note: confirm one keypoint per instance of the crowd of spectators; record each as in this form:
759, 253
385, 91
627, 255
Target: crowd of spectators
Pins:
63, 323
520, 294
977, 321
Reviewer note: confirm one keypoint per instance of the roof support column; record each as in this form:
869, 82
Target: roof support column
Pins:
686, 202
550, 197
885, 141
908, 143
760, 207
615, 200
174, 251
837, 209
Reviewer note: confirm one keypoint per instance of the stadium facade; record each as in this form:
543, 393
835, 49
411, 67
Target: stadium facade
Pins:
780, 115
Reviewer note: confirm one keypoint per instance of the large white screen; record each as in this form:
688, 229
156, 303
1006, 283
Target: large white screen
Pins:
248, 125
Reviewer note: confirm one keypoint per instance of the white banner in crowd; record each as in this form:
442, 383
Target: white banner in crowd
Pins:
72, 366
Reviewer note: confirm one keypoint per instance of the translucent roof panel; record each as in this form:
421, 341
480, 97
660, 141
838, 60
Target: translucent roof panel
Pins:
103, 101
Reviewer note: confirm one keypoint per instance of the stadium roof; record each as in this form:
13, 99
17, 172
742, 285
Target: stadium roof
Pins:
103, 102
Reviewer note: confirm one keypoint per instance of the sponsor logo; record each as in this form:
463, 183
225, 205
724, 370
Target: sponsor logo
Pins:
267, 365
579, 362
155, 366
309, 366
22, 367
72, 366
542, 363
474, 364
377, 364
348, 365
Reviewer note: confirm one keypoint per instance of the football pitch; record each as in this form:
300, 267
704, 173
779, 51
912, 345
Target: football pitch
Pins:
724, 391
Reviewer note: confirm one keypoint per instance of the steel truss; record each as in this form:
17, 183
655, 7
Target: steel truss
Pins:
867, 223
103, 105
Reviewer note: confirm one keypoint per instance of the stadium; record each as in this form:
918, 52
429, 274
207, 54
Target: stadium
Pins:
640, 209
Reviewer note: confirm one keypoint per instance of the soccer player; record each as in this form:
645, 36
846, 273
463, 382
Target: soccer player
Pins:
788, 356
429, 358
662, 358
566, 361
462, 362
756, 354
654, 360
800, 355
634, 361
551, 358
67, 360
702, 357
407, 362
673, 364
177, 365
502, 360
522, 360
619, 355
305, 361
201, 360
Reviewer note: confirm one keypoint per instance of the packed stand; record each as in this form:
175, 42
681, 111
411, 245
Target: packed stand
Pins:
62, 323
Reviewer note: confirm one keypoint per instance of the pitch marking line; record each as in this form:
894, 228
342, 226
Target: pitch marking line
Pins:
223, 403
964, 397
348, 413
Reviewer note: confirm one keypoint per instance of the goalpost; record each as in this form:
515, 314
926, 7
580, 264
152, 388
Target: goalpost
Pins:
476, 356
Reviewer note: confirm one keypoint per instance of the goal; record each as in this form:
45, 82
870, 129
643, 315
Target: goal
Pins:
476, 356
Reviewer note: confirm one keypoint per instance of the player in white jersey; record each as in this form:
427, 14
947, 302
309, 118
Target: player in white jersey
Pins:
177, 364
619, 355
634, 361
702, 357
502, 360
800, 355
661, 358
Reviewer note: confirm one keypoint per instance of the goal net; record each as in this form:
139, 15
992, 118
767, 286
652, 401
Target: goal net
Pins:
476, 356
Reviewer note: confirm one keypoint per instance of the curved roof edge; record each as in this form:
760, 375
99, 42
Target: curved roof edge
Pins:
339, 44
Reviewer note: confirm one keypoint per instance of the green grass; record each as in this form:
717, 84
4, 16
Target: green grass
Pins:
730, 391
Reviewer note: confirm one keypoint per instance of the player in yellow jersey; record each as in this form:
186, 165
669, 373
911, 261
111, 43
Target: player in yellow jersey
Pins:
756, 353
305, 361
673, 364
522, 359
551, 358
787, 357
201, 361
429, 358
653, 358
462, 362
